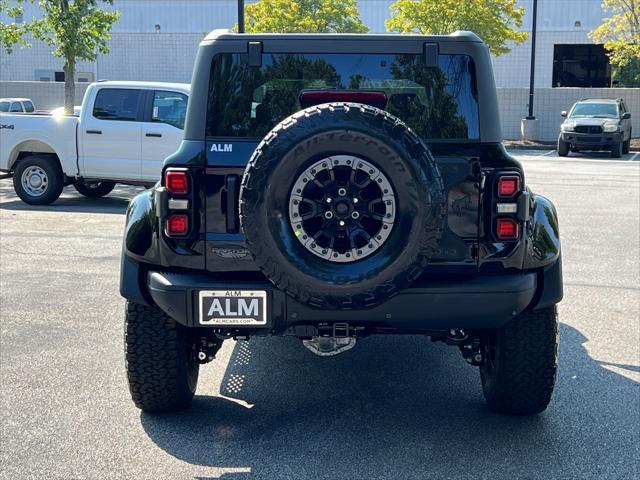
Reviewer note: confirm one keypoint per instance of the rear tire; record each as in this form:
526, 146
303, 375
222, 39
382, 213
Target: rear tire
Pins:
616, 150
93, 189
563, 148
519, 370
161, 361
38, 179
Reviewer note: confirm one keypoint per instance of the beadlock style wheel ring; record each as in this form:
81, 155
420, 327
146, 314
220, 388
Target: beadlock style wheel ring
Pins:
342, 208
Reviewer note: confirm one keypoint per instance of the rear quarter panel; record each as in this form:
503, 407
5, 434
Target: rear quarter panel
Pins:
38, 134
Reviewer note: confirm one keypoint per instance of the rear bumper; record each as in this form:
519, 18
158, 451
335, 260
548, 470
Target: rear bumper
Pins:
481, 302
591, 140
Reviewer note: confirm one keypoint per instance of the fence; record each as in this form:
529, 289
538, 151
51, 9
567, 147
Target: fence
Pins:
513, 103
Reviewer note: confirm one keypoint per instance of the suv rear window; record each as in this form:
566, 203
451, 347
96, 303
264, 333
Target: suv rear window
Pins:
437, 103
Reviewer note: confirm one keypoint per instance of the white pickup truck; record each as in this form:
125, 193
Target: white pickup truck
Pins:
124, 132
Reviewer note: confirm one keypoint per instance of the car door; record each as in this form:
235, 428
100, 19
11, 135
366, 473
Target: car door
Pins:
110, 135
162, 130
626, 123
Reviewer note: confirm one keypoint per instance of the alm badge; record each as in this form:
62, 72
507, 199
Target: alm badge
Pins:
222, 147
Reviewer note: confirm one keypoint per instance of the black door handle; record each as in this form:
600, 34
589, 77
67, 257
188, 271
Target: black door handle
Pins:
95, 132
157, 135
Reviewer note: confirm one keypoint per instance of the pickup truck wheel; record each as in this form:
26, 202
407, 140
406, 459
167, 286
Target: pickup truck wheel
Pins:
616, 150
520, 360
563, 148
342, 206
38, 180
626, 146
161, 360
93, 189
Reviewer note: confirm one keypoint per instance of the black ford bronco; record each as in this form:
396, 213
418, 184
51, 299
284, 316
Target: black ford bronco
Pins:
331, 187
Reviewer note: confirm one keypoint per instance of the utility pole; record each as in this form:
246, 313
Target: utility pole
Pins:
533, 59
240, 16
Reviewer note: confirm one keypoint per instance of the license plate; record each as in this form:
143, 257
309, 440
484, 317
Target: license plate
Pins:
228, 308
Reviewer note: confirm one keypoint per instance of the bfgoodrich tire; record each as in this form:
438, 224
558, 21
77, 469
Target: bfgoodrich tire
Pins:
349, 142
161, 363
93, 189
38, 179
519, 370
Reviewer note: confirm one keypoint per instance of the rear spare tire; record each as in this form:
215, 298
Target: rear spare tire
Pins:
342, 206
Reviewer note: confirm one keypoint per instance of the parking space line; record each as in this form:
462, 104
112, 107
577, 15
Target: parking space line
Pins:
548, 153
635, 155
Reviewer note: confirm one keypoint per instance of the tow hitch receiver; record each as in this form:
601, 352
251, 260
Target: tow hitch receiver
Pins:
328, 345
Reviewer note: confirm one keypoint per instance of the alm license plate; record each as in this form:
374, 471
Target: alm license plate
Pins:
228, 308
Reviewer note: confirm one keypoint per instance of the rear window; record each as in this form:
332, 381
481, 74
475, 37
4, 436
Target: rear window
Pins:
117, 104
438, 103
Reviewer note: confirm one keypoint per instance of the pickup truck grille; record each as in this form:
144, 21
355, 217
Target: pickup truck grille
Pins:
588, 129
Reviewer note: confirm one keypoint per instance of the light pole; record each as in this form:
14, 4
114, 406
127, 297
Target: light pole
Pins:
240, 16
529, 125
533, 59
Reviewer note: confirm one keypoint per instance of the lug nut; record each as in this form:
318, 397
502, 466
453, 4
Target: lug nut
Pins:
328, 215
355, 200
342, 192
355, 215
329, 200
341, 223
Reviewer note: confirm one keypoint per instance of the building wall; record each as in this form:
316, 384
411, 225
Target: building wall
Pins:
512, 103
549, 102
157, 39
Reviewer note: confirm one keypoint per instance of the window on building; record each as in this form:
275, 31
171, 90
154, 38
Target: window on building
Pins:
59, 76
581, 66
169, 107
117, 104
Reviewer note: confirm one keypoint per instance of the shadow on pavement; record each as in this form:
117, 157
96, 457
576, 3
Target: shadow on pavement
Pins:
70, 201
399, 408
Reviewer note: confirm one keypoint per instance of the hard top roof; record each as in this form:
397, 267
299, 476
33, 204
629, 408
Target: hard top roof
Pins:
457, 36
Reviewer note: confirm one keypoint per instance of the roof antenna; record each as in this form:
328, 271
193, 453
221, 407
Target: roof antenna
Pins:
240, 16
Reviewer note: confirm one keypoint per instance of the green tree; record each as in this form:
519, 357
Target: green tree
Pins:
317, 16
495, 21
620, 34
76, 29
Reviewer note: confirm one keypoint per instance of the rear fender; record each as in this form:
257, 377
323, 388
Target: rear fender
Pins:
542, 243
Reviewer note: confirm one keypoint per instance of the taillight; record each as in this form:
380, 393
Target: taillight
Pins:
177, 225
507, 229
508, 186
176, 181
374, 98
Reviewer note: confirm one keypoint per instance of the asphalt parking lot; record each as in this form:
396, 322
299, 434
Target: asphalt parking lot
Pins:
391, 408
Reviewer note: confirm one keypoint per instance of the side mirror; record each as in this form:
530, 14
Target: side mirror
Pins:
563, 113
626, 115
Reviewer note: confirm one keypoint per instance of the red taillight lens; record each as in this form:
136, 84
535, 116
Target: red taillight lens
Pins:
176, 181
508, 186
309, 98
506, 229
177, 225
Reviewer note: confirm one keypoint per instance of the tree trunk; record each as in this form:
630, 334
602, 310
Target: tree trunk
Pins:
69, 85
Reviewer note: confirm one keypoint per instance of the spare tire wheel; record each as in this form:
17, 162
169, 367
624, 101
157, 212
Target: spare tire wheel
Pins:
342, 206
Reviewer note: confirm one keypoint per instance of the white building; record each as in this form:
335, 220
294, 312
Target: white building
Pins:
157, 40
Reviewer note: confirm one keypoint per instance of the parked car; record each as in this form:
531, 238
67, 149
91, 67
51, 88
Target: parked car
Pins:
332, 187
16, 105
123, 133
596, 124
